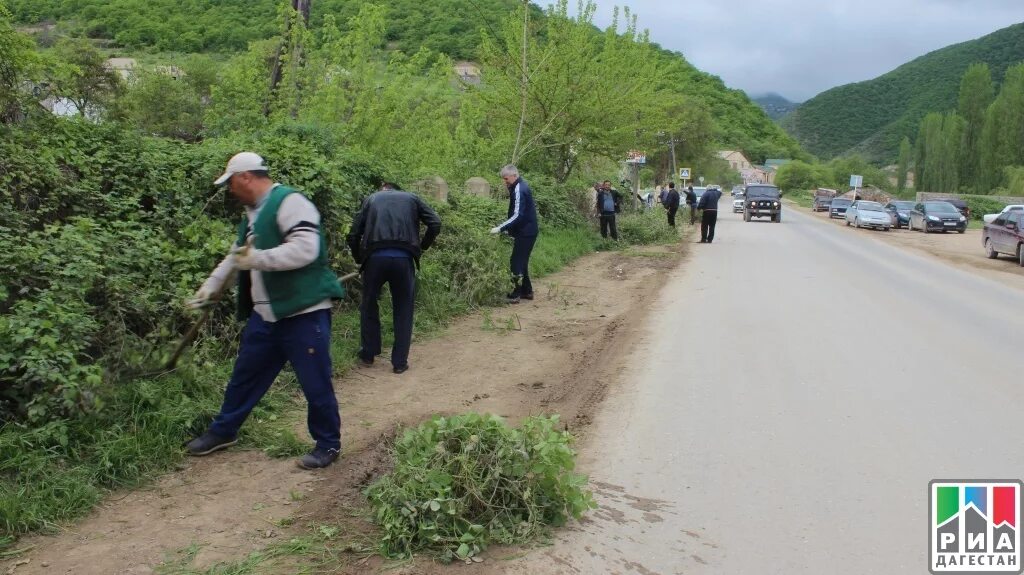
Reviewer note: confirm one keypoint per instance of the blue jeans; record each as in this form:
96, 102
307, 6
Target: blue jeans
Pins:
305, 342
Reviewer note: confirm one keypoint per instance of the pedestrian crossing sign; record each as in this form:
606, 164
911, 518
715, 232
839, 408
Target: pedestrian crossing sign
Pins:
684, 173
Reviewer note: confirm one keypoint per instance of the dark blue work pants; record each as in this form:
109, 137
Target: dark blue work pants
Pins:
305, 342
522, 247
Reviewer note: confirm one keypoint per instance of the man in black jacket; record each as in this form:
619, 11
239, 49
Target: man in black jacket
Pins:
671, 203
522, 226
708, 205
609, 203
385, 240
691, 203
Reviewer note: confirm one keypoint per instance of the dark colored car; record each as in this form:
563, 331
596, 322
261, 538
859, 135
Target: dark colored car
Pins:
1004, 236
900, 212
837, 208
823, 199
937, 217
961, 206
763, 201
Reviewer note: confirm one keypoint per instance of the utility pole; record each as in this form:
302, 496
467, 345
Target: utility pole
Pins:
672, 147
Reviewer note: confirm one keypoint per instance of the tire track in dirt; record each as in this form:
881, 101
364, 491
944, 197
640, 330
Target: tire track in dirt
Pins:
562, 359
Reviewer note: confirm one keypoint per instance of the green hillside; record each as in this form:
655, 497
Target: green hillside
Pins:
774, 105
870, 118
452, 27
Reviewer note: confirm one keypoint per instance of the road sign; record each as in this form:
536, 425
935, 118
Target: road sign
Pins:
636, 157
856, 181
684, 173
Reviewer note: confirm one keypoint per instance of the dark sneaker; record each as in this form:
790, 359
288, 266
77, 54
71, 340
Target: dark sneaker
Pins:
318, 458
208, 442
528, 296
513, 297
401, 369
364, 359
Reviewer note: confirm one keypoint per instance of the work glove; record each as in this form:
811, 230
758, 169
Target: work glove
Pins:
246, 257
496, 230
202, 298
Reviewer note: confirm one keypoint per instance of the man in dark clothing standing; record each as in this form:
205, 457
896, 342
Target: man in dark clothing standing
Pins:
609, 203
708, 205
691, 203
671, 203
385, 240
522, 226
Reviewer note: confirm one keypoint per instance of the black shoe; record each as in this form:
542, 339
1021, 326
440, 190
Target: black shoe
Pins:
513, 297
363, 359
401, 368
208, 442
319, 458
528, 296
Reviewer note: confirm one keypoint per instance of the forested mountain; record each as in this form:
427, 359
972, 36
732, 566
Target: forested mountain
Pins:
774, 105
872, 117
451, 27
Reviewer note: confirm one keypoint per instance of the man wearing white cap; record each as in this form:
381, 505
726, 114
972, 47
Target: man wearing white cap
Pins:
285, 292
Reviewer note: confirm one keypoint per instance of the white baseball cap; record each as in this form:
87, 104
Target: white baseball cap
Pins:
241, 162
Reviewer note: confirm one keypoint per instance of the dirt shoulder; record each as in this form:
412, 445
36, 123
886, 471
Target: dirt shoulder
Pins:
964, 251
556, 354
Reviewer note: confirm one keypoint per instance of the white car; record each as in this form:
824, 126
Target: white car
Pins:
738, 203
865, 214
989, 218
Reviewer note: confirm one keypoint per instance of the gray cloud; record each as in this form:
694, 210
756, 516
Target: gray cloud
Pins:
799, 48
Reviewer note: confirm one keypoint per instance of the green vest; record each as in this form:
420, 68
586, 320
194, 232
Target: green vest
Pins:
289, 291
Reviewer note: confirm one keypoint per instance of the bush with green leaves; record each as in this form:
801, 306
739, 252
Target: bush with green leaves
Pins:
461, 483
646, 228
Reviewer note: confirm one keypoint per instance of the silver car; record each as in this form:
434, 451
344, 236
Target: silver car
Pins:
865, 214
738, 203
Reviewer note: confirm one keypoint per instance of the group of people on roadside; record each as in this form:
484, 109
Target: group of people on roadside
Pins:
608, 204
287, 289
707, 203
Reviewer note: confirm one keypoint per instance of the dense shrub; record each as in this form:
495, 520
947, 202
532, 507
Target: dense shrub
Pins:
463, 482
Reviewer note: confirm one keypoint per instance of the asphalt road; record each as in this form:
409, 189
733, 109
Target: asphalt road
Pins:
797, 388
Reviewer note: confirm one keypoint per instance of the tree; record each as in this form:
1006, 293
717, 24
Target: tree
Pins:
976, 94
161, 105
1003, 135
903, 164
587, 94
81, 76
18, 64
797, 175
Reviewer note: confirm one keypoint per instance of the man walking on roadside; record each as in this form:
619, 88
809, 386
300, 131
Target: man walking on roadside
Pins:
671, 203
708, 205
691, 204
522, 226
285, 292
385, 240
608, 203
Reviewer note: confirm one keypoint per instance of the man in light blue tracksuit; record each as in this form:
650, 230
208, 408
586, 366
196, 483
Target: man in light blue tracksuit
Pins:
522, 226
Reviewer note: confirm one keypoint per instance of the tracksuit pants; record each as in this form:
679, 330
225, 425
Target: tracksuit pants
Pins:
519, 263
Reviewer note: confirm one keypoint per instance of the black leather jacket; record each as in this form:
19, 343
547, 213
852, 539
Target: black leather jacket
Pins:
391, 219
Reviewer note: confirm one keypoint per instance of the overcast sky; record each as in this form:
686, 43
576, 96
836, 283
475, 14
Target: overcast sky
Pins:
799, 48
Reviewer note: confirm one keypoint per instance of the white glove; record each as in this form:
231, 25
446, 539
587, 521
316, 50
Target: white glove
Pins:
202, 298
246, 257
496, 230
